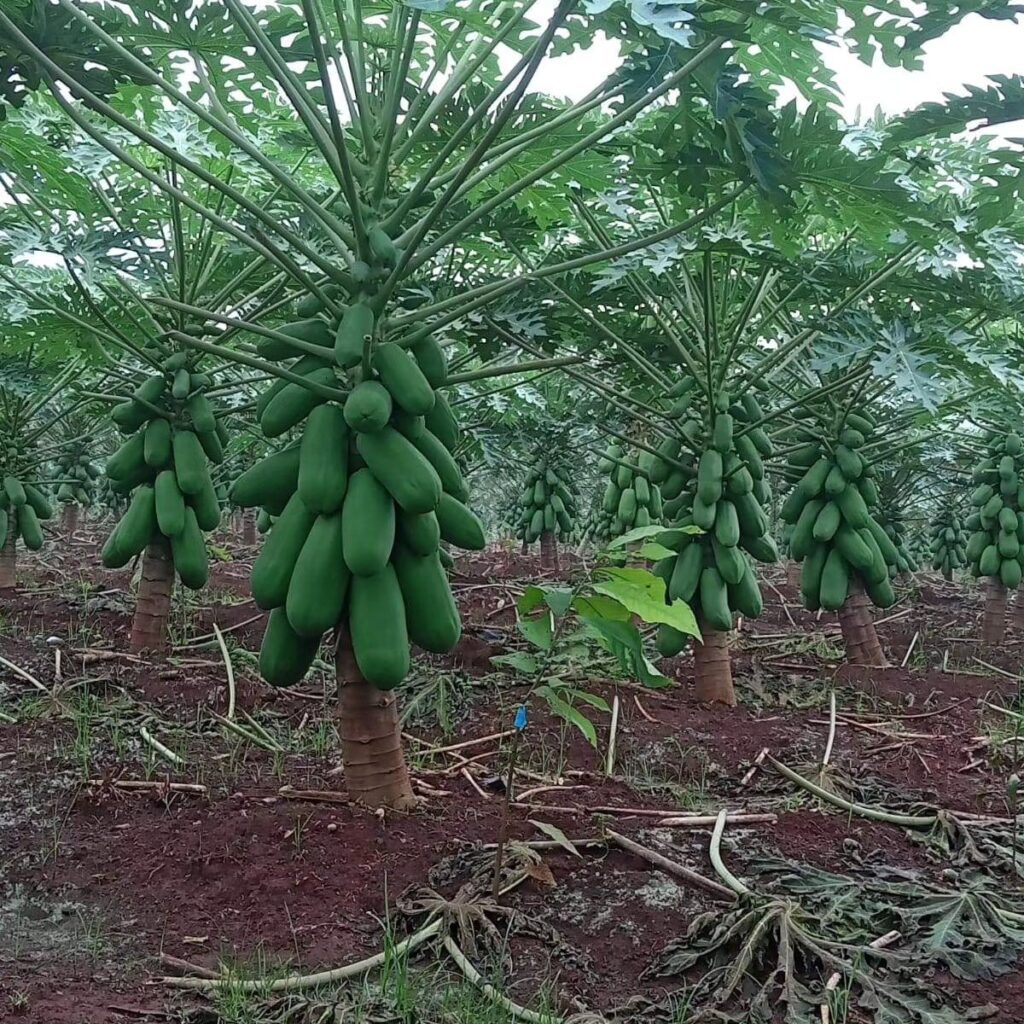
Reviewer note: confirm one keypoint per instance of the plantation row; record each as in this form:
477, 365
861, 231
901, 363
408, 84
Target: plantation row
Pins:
352, 271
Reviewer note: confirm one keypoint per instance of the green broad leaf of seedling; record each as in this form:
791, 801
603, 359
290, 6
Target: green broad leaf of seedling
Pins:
518, 660
643, 594
532, 598
643, 532
558, 599
597, 606
639, 533
655, 552
622, 639
564, 710
595, 700
538, 630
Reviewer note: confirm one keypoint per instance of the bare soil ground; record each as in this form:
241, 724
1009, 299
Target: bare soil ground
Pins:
97, 881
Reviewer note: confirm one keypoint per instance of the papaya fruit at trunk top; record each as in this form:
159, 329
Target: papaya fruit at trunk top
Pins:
271, 481
431, 360
313, 331
356, 326
368, 524
323, 459
169, 504
273, 568
403, 470
377, 627
400, 374
319, 581
188, 551
431, 616
285, 657
368, 407
28, 526
294, 403
190, 465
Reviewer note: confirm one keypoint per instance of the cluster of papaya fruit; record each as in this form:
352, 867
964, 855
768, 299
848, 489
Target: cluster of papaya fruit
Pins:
630, 499
174, 435
356, 508
546, 504
948, 542
896, 530
674, 474
834, 534
22, 507
995, 547
77, 474
719, 518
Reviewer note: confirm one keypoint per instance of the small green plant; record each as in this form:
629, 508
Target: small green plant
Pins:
602, 607
18, 1001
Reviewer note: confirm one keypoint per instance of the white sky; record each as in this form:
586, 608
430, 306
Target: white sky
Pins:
976, 48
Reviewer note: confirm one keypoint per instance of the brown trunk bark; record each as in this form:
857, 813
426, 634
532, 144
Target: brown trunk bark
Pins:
371, 737
862, 644
993, 620
548, 550
69, 518
153, 603
9, 554
249, 528
793, 574
525, 548
712, 667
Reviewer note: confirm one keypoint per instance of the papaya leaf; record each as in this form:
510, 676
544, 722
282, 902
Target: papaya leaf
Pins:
655, 552
637, 533
596, 606
518, 660
643, 594
538, 630
564, 710
558, 599
532, 598
623, 640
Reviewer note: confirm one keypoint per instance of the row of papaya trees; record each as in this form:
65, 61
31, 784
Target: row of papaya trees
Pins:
317, 256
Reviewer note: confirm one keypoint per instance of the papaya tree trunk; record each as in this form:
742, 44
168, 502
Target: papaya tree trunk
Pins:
548, 550
9, 554
993, 620
712, 667
249, 528
525, 548
69, 517
947, 575
371, 737
862, 644
793, 574
153, 604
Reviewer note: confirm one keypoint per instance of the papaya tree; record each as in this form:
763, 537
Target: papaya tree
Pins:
547, 508
630, 499
120, 253
947, 541
76, 470
900, 491
31, 412
995, 546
